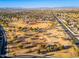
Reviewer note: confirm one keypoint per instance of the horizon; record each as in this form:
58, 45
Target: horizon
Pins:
36, 7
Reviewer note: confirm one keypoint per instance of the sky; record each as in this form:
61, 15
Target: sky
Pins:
38, 3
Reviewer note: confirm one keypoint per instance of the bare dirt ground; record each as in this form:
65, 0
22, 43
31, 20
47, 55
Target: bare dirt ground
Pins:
39, 38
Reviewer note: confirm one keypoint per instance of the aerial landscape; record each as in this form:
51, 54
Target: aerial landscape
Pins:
43, 31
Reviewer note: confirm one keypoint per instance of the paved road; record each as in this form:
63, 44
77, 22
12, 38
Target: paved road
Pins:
67, 30
3, 42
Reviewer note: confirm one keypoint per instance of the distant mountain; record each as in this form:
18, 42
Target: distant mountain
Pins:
40, 8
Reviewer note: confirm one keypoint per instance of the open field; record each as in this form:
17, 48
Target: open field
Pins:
37, 33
